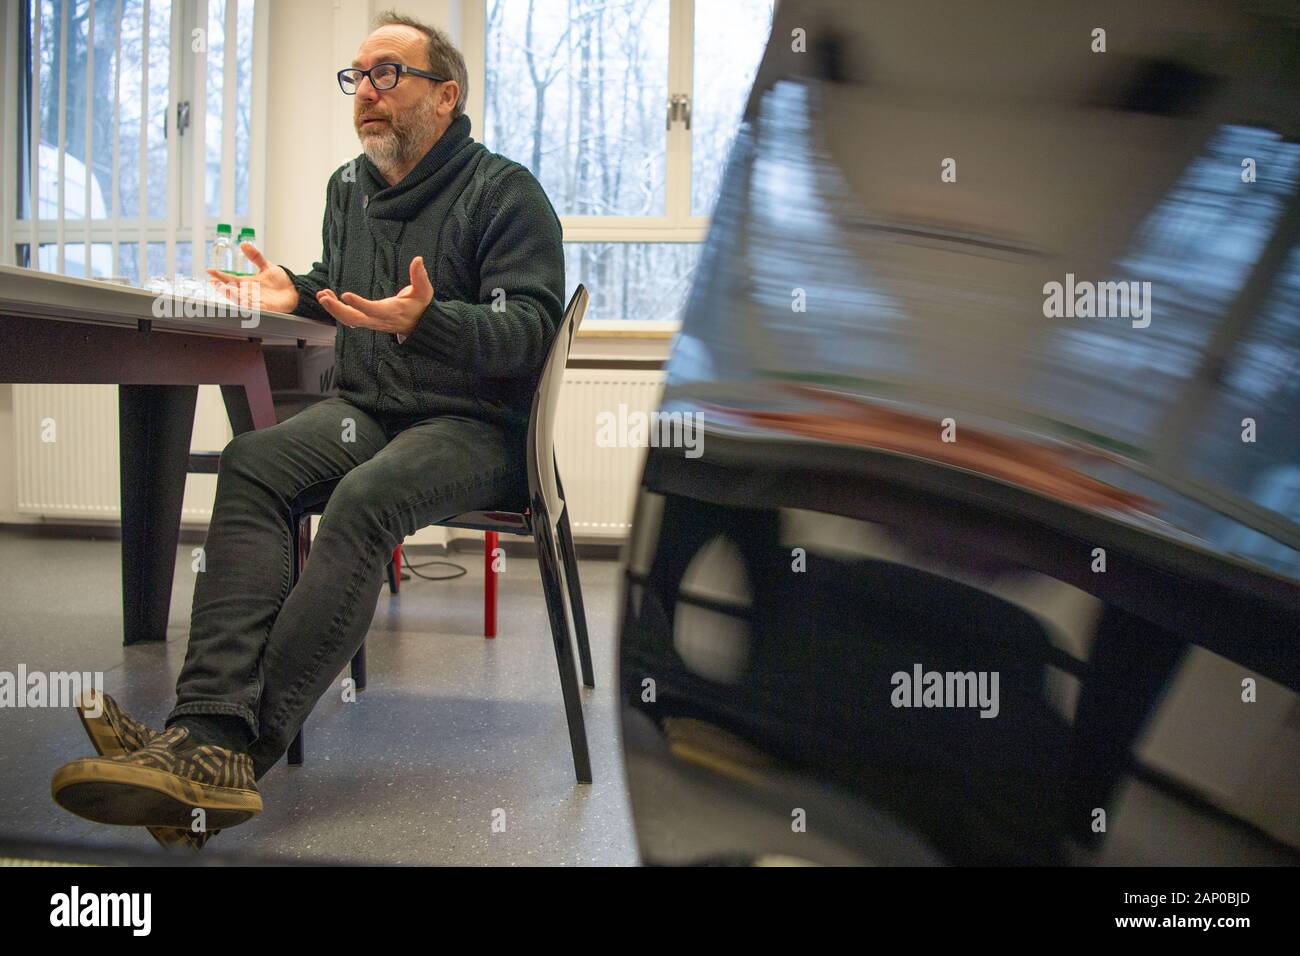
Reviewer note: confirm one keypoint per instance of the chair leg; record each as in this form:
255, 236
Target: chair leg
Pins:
359, 667
489, 585
301, 549
395, 571
301, 544
548, 560
570, 556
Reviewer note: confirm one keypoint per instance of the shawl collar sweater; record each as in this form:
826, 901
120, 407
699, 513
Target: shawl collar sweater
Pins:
491, 243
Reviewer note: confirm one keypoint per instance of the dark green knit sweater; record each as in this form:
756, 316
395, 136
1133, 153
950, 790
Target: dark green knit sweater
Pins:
490, 239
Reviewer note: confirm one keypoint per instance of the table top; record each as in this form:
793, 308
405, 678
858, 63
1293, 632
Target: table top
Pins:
28, 293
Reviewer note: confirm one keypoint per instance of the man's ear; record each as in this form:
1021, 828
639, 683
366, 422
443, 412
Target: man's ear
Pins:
448, 94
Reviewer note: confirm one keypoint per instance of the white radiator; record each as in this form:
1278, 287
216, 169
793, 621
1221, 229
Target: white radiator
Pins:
75, 476
600, 483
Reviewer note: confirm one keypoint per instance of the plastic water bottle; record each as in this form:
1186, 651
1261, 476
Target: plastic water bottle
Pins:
222, 249
242, 265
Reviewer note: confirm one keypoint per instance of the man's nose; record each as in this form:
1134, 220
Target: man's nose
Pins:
366, 92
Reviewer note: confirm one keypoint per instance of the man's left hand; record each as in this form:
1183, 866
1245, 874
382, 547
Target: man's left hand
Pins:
399, 313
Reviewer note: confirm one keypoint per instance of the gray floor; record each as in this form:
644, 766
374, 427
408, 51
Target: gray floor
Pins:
452, 732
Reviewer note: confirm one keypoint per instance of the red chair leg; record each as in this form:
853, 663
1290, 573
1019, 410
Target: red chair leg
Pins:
489, 585
395, 571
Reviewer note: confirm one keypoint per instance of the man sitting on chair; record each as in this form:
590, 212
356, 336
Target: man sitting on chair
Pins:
444, 272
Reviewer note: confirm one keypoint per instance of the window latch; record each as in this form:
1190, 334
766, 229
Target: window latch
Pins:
182, 117
679, 108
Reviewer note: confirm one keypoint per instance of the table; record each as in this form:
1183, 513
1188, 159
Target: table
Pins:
158, 350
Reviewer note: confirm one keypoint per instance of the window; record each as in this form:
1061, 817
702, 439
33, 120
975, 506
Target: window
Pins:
625, 112
135, 126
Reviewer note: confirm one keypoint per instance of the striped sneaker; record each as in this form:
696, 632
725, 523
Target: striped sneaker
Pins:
113, 732
197, 841
111, 729
161, 785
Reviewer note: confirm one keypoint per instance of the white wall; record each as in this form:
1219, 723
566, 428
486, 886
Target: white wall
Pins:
309, 123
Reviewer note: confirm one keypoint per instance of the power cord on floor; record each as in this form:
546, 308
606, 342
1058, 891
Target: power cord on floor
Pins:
461, 569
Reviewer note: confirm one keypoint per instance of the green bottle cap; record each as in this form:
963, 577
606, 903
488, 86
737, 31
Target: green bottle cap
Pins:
223, 227
247, 231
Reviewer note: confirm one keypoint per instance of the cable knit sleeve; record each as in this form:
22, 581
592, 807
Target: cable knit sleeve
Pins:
507, 332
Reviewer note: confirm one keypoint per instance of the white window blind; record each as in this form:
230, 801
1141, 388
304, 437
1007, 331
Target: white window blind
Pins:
137, 126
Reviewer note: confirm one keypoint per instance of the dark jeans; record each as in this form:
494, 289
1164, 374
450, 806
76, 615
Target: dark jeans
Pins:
265, 654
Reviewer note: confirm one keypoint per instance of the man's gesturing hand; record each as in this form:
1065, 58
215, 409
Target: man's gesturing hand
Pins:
268, 288
399, 313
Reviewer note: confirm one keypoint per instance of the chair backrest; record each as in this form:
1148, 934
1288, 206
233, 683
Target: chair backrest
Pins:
543, 479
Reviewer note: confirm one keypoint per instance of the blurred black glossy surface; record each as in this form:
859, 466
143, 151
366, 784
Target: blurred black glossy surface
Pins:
848, 305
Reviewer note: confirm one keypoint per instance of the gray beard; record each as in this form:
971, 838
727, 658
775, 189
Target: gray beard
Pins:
403, 142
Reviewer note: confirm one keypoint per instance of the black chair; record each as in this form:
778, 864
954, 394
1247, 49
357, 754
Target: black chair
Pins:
545, 517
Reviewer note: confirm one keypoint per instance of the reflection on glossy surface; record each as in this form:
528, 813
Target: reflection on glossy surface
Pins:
839, 256
914, 464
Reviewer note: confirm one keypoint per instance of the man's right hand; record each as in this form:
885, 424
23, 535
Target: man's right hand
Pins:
268, 288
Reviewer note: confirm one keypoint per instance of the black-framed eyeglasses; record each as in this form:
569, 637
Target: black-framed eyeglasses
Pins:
383, 76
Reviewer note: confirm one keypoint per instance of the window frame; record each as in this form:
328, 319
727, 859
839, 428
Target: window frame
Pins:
186, 218
678, 224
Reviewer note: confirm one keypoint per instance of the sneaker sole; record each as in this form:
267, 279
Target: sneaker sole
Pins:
104, 738
108, 792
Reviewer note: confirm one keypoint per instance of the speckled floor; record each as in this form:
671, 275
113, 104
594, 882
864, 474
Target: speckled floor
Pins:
452, 733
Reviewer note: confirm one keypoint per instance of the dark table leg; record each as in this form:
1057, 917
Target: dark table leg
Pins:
1130, 667
157, 374
249, 406
155, 423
